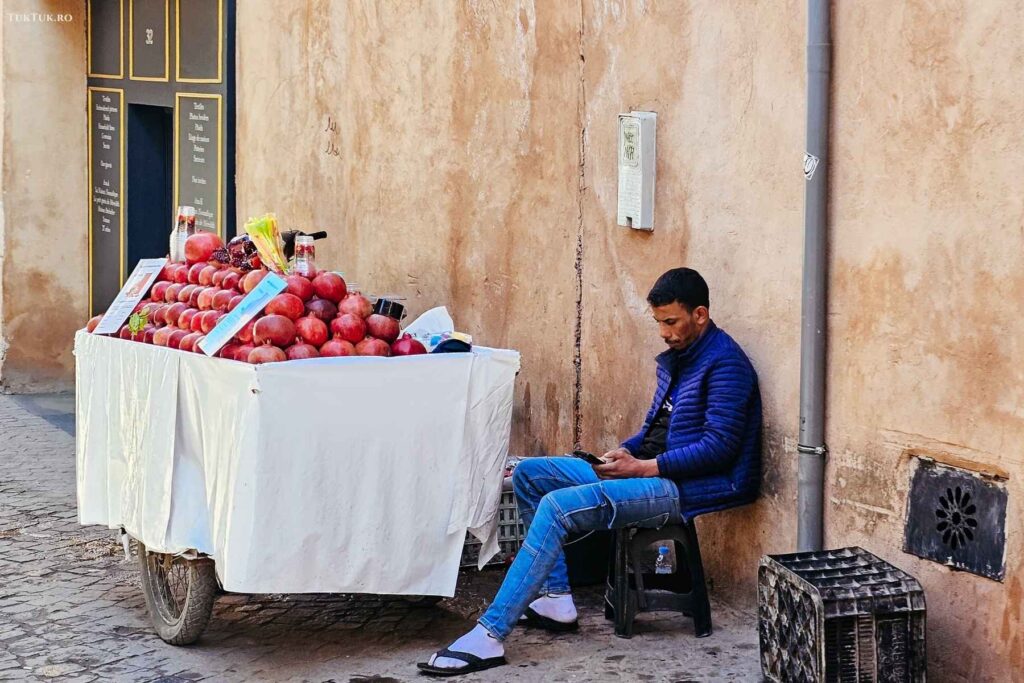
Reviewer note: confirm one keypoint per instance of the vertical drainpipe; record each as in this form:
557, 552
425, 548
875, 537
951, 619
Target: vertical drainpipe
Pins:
811, 444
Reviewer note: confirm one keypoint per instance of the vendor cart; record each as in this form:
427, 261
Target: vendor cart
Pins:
328, 475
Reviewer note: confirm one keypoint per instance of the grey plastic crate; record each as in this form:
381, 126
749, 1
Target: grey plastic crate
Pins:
842, 616
510, 534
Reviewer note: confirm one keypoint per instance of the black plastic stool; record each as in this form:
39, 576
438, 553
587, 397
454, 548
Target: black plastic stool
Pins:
626, 593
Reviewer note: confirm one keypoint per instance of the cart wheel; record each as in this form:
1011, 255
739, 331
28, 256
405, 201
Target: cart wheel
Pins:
179, 594
422, 600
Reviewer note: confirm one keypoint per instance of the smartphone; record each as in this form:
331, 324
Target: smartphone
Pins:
588, 457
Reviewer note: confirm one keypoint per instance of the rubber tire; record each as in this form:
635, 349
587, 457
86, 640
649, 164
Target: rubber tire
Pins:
202, 592
422, 601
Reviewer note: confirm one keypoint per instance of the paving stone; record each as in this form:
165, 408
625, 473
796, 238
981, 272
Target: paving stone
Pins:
72, 610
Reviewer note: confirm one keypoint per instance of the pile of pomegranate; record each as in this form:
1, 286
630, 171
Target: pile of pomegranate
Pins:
310, 318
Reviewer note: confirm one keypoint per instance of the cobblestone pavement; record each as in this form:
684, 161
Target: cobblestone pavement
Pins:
72, 610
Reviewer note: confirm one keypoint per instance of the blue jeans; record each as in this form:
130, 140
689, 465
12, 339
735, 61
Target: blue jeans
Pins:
560, 496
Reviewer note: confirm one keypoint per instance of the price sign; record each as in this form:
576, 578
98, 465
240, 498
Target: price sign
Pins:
254, 302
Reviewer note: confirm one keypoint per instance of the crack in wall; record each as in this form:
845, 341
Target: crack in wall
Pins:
577, 359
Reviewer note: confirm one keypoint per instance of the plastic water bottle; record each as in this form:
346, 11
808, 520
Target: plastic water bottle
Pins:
184, 227
663, 565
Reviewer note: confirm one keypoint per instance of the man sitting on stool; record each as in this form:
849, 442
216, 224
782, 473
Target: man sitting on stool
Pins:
699, 450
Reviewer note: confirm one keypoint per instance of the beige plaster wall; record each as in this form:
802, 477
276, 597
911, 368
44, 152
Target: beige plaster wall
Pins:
455, 181
475, 168
728, 202
928, 279
44, 273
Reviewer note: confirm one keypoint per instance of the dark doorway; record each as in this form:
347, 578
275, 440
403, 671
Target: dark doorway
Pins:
149, 181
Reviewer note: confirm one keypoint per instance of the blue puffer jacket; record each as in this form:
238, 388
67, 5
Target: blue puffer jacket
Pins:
713, 447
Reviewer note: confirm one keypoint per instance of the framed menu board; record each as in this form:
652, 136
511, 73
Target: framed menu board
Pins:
106, 194
198, 170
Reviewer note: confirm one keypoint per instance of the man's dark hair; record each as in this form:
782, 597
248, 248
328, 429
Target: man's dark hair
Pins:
684, 285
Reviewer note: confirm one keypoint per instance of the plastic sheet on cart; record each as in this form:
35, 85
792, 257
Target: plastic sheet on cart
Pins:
337, 475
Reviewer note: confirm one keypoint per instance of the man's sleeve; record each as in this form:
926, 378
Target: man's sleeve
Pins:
731, 384
632, 444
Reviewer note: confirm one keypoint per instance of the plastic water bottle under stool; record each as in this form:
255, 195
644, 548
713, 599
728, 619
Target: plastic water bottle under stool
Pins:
663, 565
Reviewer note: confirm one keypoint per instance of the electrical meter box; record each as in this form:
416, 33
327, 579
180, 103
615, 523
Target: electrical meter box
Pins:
636, 169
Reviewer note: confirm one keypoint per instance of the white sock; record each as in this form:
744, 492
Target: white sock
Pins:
477, 642
558, 607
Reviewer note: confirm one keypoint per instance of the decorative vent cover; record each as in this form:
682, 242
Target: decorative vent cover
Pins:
957, 518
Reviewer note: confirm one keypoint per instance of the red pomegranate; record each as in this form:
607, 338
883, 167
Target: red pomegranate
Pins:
383, 327
373, 347
337, 347
184, 321
222, 299
231, 280
200, 246
407, 346
357, 304
205, 300
273, 329
158, 291
300, 351
195, 323
251, 279
322, 308
174, 312
244, 335
171, 293
349, 327
311, 330
206, 275
299, 286
195, 347
228, 351
193, 299
174, 341
193, 272
125, 332
218, 277
150, 333
166, 273
330, 286
288, 305
209, 320
242, 352
180, 274
157, 314
266, 354
188, 342
235, 300
163, 335
93, 322
186, 293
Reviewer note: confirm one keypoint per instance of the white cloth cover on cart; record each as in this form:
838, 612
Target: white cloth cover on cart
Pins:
335, 475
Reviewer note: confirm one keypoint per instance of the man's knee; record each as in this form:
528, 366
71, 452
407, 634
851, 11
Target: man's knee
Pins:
526, 471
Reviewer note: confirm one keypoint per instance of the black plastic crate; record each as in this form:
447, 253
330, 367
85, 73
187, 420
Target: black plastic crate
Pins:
840, 616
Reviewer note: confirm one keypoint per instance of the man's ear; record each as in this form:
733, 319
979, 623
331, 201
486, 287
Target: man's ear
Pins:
701, 314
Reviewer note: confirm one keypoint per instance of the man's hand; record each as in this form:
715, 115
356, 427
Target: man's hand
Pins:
619, 464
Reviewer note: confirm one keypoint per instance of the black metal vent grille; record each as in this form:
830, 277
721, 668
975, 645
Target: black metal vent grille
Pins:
957, 518
840, 616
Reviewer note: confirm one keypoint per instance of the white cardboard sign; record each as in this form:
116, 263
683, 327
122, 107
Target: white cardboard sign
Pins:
135, 288
246, 310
